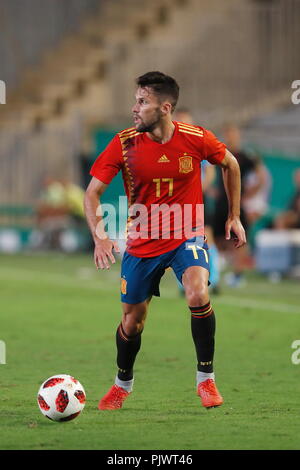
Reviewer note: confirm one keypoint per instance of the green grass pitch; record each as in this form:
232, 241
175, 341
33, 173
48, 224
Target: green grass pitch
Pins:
59, 316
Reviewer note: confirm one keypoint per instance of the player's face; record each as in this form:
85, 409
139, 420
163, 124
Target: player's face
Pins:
147, 112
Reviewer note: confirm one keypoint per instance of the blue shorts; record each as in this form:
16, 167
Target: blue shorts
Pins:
140, 277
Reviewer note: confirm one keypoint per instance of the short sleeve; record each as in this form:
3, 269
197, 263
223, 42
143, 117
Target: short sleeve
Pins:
214, 150
109, 162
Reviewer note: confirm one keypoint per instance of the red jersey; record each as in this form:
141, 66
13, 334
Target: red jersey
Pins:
157, 177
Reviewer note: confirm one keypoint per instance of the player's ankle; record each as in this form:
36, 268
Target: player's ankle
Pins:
127, 385
202, 376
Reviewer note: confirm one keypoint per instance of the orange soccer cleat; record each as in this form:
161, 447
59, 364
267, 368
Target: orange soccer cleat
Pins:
114, 398
209, 394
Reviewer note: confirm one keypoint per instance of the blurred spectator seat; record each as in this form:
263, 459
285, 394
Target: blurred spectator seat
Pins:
16, 224
290, 218
277, 252
60, 216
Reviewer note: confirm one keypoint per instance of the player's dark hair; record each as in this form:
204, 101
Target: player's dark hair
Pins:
161, 84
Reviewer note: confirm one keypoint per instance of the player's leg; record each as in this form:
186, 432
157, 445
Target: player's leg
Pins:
128, 342
139, 281
203, 326
195, 281
191, 266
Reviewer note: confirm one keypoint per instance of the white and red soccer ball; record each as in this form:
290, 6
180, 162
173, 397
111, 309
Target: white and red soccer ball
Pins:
61, 398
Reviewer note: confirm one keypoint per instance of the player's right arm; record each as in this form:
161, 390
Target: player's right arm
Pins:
92, 206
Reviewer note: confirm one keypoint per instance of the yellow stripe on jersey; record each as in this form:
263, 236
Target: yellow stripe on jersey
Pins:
199, 134
129, 136
128, 178
125, 131
189, 126
129, 183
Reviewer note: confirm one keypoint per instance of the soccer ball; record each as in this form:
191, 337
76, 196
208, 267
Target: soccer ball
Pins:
61, 398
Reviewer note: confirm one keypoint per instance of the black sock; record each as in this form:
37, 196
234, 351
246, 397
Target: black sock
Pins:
203, 325
127, 349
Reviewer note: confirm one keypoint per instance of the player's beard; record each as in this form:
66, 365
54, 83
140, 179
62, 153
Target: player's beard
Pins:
149, 126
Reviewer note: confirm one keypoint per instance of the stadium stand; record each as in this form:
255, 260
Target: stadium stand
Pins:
69, 70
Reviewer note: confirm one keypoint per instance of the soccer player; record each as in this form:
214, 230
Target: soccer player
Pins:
160, 163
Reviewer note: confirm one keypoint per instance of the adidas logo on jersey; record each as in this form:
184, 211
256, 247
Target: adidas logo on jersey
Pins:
163, 159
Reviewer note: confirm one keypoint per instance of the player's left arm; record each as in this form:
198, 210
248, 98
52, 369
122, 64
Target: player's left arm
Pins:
232, 183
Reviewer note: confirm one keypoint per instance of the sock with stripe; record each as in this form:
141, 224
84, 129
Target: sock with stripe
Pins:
127, 349
203, 326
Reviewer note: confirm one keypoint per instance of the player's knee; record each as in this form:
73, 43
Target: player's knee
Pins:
134, 319
197, 294
132, 327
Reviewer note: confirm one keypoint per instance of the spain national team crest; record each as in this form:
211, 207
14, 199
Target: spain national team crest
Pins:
185, 164
123, 286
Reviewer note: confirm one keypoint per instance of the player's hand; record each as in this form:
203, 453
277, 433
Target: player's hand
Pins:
103, 255
234, 225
